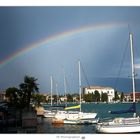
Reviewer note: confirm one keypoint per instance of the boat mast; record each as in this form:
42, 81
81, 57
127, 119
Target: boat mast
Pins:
79, 83
57, 93
132, 65
65, 88
51, 88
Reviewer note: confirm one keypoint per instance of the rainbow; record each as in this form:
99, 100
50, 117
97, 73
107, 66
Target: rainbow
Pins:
56, 38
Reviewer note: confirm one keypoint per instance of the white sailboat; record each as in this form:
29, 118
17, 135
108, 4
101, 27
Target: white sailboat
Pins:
75, 117
128, 124
52, 110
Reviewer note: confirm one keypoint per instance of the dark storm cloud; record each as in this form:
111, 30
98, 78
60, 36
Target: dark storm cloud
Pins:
100, 51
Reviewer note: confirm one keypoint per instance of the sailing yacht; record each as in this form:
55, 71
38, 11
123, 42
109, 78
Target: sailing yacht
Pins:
75, 117
128, 124
52, 110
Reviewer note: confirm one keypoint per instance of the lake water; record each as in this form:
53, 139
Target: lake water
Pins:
102, 110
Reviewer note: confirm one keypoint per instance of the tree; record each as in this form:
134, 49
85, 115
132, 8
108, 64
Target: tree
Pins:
29, 87
55, 98
88, 97
37, 99
16, 99
104, 97
12, 95
116, 96
69, 98
122, 97
97, 96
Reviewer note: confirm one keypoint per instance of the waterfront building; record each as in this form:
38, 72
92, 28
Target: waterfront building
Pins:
75, 99
127, 97
2, 95
137, 96
63, 99
109, 90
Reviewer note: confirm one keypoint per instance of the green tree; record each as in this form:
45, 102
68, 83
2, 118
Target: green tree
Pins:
122, 97
88, 97
16, 99
37, 99
97, 96
55, 98
116, 98
29, 87
69, 98
93, 97
78, 98
104, 97
12, 95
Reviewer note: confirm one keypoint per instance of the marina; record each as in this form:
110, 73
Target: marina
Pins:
48, 128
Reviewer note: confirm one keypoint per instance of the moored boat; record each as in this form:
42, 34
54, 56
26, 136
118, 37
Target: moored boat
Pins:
52, 110
86, 121
123, 125
75, 116
57, 121
120, 125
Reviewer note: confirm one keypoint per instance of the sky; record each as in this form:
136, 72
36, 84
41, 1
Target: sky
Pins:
45, 41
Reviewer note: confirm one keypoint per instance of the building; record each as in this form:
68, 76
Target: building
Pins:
110, 91
127, 97
63, 99
137, 96
2, 95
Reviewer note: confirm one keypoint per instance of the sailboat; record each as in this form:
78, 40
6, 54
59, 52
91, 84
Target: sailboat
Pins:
52, 110
125, 124
75, 117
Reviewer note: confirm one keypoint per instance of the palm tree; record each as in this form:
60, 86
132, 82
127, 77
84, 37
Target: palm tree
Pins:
28, 87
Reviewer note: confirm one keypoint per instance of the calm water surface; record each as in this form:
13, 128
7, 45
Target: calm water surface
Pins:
101, 109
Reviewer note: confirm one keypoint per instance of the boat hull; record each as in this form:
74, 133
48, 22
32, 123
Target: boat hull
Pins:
60, 121
118, 129
74, 116
93, 121
57, 121
49, 115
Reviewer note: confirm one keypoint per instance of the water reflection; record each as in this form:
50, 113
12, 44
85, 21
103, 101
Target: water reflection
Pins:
48, 128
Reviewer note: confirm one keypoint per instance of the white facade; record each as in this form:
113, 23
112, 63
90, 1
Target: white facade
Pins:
63, 99
110, 91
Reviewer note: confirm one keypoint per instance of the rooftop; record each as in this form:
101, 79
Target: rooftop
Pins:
98, 87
